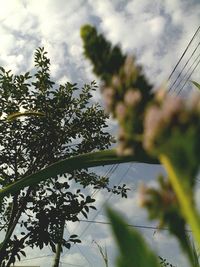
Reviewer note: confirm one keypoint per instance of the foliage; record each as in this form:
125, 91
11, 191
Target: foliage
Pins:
165, 263
161, 126
133, 250
196, 84
43, 123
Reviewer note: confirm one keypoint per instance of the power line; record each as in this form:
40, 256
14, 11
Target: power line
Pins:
171, 87
188, 70
110, 195
39, 257
107, 174
72, 264
110, 173
195, 34
78, 248
189, 76
129, 225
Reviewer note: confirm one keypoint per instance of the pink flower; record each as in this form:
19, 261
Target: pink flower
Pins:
132, 97
160, 94
171, 107
116, 82
129, 66
193, 102
120, 111
108, 95
153, 123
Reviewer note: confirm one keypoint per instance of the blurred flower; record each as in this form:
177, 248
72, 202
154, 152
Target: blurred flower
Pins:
108, 95
116, 81
132, 97
153, 123
124, 150
143, 195
160, 94
121, 135
129, 68
120, 111
193, 102
171, 107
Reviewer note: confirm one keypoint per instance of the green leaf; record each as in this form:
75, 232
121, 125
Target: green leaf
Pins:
87, 160
185, 200
133, 250
196, 84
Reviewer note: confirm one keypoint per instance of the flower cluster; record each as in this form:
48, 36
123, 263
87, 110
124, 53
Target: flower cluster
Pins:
168, 114
160, 201
172, 127
153, 123
162, 204
152, 128
126, 101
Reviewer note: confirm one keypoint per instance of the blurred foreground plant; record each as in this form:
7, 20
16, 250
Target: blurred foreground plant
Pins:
155, 125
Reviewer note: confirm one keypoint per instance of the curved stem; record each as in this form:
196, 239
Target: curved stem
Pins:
185, 200
88, 160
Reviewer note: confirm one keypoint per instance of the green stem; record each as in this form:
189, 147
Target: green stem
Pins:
185, 201
88, 160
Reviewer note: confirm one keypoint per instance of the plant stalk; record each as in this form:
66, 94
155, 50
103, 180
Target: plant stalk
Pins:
185, 201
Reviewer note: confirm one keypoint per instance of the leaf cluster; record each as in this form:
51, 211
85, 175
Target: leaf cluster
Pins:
69, 125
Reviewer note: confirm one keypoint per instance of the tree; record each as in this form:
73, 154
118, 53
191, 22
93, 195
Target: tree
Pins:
64, 123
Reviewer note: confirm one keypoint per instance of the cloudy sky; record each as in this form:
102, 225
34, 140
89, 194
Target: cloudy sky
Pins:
157, 32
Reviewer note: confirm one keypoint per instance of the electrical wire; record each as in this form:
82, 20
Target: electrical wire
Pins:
185, 65
39, 257
110, 195
189, 77
46, 256
188, 70
195, 34
129, 225
78, 248
109, 173
106, 175
72, 264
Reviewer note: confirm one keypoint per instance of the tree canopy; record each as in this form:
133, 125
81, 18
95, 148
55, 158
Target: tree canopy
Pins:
61, 121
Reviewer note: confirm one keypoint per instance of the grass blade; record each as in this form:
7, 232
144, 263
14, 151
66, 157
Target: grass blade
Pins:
92, 159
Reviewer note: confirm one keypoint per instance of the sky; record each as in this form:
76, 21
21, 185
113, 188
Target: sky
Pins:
157, 33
